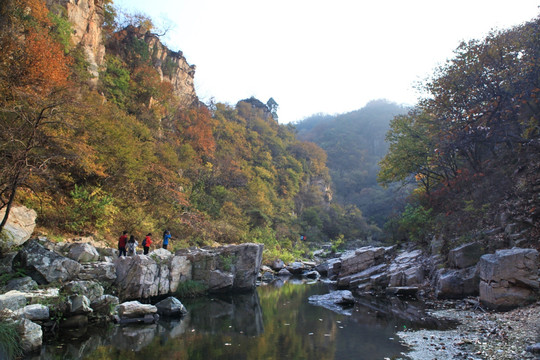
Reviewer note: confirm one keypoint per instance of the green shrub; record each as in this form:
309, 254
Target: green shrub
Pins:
190, 289
10, 345
61, 30
416, 223
90, 209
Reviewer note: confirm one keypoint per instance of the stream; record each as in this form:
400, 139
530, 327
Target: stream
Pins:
274, 322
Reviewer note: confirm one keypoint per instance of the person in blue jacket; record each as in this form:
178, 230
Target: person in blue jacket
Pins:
166, 238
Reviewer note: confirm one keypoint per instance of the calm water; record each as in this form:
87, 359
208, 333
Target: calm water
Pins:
275, 322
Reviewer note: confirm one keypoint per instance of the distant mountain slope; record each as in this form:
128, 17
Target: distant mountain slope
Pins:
355, 142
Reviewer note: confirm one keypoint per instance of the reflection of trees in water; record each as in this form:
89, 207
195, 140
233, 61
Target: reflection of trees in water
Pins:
228, 314
271, 323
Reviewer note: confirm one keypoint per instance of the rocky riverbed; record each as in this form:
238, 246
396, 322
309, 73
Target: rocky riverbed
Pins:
479, 335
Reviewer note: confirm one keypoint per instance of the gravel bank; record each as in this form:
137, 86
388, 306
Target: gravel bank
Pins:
479, 335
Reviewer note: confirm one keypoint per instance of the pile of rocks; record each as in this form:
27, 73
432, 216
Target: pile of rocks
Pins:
504, 280
66, 281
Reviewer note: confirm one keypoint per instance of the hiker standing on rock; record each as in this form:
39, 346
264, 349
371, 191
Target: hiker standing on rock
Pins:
122, 244
166, 238
146, 243
132, 245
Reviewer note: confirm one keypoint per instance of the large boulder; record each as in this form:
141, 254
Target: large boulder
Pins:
46, 266
91, 289
34, 312
19, 226
363, 277
339, 297
79, 305
104, 304
406, 269
297, 268
277, 264
171, 306
508, 278
12, 300
6, 262
360, 259
104, 272
22, 284
140, 276
31, 335
134, 309
465, 256
82, 252
339, 301
457, 283
233, 267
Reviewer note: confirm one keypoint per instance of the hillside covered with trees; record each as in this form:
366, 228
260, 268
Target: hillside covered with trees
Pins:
127, 146
472, 146
355, 143
105, 133
466, 157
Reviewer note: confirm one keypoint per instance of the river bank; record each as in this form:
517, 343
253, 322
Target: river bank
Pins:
480, 334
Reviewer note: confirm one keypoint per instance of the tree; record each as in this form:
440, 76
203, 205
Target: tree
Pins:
33, 72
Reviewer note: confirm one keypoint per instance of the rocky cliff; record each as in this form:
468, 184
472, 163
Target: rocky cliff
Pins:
86, 19
172, 66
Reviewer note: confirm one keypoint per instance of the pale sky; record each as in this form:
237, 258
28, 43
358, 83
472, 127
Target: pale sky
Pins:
316, 56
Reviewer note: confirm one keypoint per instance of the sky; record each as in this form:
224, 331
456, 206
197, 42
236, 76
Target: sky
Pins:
315, 56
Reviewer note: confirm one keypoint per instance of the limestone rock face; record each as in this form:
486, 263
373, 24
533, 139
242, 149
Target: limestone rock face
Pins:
19, 227
172, 66
508, 278
360, 260
31, 335
22, 284
456, 284
233, 267
86, 17
465, 256
104, 272
12, 300
46, 266
83, 252
34, 312
91, 289
406, 269
140, 276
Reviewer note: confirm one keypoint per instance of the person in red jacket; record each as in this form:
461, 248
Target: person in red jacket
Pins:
146, 243
122, 244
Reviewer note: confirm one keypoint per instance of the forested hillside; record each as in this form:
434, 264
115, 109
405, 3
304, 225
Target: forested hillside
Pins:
472, 146
355, 143
104, 140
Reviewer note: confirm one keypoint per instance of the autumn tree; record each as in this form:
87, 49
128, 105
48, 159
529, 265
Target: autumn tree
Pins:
33, 72
477, 126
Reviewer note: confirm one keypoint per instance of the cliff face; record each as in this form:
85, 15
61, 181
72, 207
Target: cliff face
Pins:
172, 66
86, 18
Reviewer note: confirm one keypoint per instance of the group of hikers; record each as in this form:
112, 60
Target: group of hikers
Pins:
129, 247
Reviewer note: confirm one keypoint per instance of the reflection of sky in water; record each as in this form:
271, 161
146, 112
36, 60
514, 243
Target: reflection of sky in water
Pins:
271, 323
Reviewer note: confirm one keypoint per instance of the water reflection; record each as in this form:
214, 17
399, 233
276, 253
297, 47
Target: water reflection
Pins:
275, 322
